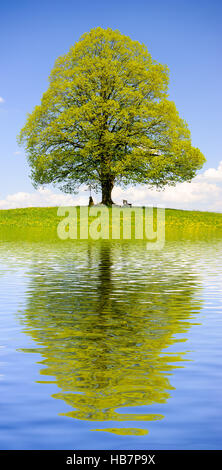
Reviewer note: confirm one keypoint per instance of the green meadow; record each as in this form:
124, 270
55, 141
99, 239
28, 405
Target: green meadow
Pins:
40, 223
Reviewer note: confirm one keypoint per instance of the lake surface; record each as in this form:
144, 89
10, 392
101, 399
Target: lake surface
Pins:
111, 346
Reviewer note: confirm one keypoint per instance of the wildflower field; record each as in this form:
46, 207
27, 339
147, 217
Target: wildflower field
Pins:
40, 223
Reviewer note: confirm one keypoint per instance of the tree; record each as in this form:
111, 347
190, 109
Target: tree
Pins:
105, 119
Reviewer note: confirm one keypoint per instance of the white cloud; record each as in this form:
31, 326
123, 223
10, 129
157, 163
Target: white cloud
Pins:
2, 99
41, 198
18, 152
203, 193
212, 174
198, 196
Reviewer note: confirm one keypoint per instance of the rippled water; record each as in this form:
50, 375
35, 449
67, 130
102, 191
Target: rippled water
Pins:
110, 346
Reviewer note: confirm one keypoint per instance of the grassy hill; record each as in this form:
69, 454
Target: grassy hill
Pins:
40, 223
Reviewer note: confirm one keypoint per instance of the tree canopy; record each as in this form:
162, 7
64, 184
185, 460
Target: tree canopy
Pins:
106, 119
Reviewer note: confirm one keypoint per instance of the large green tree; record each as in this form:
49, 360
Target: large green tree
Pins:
105, 119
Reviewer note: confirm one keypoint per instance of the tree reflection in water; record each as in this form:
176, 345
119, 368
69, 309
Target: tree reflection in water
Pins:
103, 314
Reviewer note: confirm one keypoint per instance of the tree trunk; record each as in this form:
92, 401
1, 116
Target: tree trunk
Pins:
107, 186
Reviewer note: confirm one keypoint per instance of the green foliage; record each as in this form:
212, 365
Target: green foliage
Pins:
105, 119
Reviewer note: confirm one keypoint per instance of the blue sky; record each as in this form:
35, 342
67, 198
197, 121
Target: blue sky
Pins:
185, 35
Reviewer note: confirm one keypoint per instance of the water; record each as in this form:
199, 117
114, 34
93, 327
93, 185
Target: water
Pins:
110, 346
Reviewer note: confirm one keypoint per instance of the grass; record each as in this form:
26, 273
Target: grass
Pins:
39, 223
